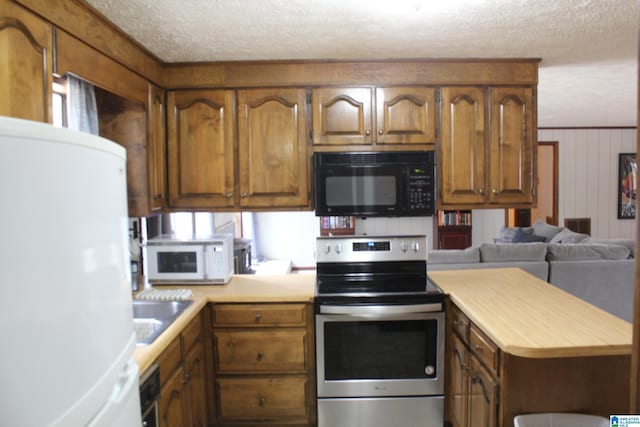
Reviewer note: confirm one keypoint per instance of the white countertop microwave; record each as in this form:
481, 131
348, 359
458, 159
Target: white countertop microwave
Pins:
203, 260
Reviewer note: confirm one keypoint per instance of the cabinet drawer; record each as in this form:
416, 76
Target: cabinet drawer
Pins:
262, 398
192, 333
262, 351
259, 315
169, 360
460, 323
484, 349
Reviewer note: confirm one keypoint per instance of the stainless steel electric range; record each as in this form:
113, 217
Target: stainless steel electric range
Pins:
379, 333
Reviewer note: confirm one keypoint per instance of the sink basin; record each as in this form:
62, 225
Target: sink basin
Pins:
151, 318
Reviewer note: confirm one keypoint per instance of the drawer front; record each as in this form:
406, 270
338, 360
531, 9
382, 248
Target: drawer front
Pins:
484, 349
169, 360
262, 398
460, 323
259, 315
192, 333
263, 351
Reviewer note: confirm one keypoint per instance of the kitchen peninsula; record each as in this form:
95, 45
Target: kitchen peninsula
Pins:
515, 344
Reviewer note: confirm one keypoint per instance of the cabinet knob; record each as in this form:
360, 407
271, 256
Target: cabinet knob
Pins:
478, 348
244, 194
481, 191
258, 317
494, 191
261, 401
229, 195
259, 356
380, 131
367, 132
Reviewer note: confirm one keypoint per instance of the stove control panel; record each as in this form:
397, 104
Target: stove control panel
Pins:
371, 248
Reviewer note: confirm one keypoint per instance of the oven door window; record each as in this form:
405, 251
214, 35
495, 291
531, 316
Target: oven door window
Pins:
401, 349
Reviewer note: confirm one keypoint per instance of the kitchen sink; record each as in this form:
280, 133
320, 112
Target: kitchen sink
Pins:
151, 318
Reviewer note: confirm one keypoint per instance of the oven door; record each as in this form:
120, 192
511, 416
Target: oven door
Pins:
360, 190
381, 350
176, 262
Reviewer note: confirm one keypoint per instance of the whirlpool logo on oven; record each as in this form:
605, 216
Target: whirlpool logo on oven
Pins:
624, 421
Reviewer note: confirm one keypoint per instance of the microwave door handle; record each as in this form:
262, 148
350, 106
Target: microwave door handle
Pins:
207, 256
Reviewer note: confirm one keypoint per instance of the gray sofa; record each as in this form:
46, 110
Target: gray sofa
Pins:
595, 270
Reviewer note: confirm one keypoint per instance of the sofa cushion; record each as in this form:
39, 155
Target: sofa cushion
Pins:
454, 256
628, 243
507, 233
524, 237
548, 231
583, 252
499, 252
568, 236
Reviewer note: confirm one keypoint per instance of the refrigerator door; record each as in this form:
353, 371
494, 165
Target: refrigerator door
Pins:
121, 408
65, 313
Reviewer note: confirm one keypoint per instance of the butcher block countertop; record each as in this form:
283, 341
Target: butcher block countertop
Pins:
241, 288
528, 317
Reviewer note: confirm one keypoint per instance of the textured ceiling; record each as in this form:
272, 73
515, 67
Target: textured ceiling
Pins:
589, 48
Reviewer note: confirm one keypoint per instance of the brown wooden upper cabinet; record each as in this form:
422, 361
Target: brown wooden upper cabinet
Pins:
26, 43
480, 168
402, 115
272, 148
201, 154
272, 159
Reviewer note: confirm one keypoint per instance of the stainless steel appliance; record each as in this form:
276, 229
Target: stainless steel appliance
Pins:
206, 260
379, 334
242, 256
375, 184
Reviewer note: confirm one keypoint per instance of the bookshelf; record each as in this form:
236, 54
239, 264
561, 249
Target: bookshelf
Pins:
337, 225
454, 229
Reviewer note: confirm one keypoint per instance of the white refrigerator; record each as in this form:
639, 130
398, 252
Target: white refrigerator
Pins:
66, 330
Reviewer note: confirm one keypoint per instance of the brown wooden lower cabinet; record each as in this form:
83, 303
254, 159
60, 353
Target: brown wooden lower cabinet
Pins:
487, 387
183, 374
264, 370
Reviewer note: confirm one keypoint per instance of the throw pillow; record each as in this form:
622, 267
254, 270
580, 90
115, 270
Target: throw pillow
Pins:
568, 236
524, 237
507, 233
548, 231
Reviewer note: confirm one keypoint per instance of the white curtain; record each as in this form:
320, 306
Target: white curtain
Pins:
82, 111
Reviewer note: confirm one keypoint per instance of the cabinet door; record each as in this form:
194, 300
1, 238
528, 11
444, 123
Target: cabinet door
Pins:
201, 150
272, 148
483, 396
342, 116
26, 67
405, 115
462, 151
511, 148
157, 149
195, 397
458, 383
170, 405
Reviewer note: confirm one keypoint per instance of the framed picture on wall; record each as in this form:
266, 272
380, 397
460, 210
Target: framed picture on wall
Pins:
627, 185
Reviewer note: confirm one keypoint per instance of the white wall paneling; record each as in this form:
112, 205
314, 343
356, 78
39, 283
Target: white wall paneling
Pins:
397, 226
588, 170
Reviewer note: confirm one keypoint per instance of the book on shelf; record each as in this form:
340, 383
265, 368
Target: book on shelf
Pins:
447, 218
337, 225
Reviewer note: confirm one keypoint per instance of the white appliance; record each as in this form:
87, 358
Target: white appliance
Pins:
65, 313
206, 260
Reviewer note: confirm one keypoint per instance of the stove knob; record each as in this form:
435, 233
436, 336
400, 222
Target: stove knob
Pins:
327, 248
415, 246
338, 248
404, 247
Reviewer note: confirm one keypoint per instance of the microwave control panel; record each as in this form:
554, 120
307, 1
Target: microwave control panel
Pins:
420, 189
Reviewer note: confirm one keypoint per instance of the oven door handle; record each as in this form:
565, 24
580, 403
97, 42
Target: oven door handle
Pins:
380, 310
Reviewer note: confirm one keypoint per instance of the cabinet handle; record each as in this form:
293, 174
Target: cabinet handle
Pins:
261, 401
259, 356
258, 317
229, 195
367, 132
244, 194
481, 191
380, 131
479, 348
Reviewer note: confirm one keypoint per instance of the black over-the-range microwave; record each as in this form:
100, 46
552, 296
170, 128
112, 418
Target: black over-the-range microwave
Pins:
398, 183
